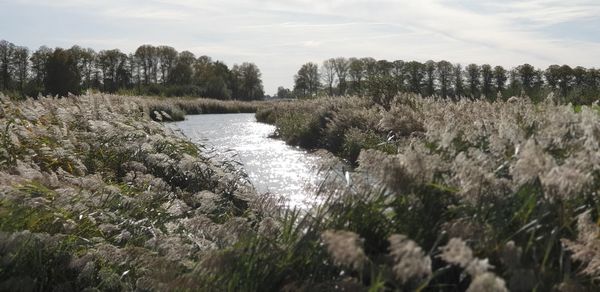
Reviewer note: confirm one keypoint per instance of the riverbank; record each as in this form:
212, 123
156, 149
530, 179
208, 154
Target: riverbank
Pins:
95, 194
341, 126
511, 183
272, 166
467, 195
175, 108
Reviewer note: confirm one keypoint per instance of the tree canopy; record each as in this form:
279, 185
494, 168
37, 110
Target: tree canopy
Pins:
150, 70
383, 79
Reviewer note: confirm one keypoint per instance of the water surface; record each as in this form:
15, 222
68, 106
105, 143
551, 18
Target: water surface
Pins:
272, 166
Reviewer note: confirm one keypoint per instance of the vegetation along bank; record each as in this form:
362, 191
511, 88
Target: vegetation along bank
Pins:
93, 194
476, 195
466, 195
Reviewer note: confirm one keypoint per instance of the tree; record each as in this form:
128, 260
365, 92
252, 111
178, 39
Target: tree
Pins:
113, 63
62, 76
86, 62
39, 61
514, 83
593, 80
167, 59
341, 66
429, 69
552, 75
213, 78
182, 73
398, 74
7, 51
537, 84
444, 72
85, 59
382, 86
473, 75
487, 77
356, 73
526, 75
459, 88
565, 79
187, 58
328, 74
414, 71
306, 81
21, 66
579, 74
500, 78
284, 93
248, 78
369, 66
147, 58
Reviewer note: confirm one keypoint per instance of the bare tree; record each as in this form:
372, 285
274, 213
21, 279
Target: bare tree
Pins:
487, 76
328, 74
39, 60
458, 82
429, 70
167, 59
341, 66
444, 74
499, 78
7, 51
21, 66
473, 74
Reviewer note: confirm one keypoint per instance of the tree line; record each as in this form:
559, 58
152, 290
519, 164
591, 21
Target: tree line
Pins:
150, 70
383, 79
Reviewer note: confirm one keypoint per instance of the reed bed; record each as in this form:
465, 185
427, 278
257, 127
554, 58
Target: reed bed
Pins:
175, 109
467, 195
445, 196
96, 195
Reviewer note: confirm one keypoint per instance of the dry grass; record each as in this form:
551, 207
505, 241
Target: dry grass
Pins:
447, 196
95, 194
503, 177
175, 109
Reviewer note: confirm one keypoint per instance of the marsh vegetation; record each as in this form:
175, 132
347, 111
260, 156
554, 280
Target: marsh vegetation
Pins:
445, 195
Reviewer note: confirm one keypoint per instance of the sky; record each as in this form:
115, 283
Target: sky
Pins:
281, 35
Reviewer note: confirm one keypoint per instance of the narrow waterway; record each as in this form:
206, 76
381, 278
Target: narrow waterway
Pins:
272, 166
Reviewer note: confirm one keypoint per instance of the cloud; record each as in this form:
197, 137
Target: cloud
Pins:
280, 35
147, 13
311, 44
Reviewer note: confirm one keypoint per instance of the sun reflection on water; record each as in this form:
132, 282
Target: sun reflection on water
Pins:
271, 165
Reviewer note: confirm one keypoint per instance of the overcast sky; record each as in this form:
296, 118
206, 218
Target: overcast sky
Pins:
280, 35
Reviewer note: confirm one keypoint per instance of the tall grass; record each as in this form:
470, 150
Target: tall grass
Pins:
175, 109
445, 196
343, 126
94, 194
499, 195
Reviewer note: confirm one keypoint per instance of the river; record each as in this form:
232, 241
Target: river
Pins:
271, 165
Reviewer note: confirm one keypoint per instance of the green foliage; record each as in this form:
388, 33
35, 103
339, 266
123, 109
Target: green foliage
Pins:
355, 140
151, 71
291, 258
506, 184
175, 109
340, 126
300, 128
433, 190
38, 262
63, 76
9, 152
98, 196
